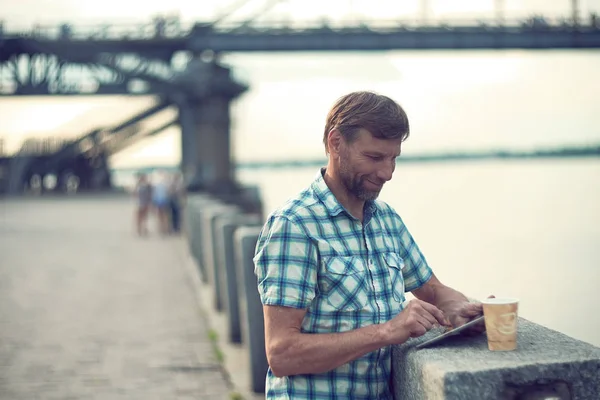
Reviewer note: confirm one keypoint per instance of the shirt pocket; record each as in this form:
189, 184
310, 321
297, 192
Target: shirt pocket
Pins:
395, 265
343, 283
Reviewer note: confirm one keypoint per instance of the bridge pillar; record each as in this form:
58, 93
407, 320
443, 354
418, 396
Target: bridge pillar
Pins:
206, 154
204, 116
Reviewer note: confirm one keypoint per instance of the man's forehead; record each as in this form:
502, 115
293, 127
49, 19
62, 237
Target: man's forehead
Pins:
370, 143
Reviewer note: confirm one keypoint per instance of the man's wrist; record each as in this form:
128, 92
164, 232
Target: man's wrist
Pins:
451, 301
384, 334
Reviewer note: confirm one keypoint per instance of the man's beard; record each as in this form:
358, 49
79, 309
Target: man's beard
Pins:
354, 184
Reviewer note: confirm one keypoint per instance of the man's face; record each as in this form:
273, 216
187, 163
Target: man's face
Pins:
367, 163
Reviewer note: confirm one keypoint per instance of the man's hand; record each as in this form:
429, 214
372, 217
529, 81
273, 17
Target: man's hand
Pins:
415, 320
465, 313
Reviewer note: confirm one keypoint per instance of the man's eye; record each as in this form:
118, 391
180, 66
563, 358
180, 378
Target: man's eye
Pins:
376, 158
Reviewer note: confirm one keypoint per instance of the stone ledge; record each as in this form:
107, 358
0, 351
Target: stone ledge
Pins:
463, 368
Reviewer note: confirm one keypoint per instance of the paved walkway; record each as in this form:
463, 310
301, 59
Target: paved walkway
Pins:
90, 311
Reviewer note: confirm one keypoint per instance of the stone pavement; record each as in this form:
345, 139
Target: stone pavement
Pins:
90, 311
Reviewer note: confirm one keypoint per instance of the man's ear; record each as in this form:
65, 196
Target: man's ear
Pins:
334, 141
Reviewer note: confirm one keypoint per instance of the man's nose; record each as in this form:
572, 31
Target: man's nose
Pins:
385, 172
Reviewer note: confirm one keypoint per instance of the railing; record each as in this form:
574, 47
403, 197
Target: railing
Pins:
546, 365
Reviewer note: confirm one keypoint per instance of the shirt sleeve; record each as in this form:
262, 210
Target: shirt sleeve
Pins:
416, 271
285, 264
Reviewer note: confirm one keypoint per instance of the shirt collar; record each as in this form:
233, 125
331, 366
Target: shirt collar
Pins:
332, 204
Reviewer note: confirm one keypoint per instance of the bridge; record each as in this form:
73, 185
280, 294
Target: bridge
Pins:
178, 63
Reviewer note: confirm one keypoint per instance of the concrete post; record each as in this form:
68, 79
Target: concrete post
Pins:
253, 326
189, 214
204, 241
196, 240
209, 248
195, 205
225, 227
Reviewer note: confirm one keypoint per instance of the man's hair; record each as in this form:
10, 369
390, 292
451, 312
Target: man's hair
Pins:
378, 114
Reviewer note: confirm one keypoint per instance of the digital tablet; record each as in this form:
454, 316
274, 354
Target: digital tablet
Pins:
449, 333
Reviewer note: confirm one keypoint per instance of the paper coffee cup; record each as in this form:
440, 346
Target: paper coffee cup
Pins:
501, 318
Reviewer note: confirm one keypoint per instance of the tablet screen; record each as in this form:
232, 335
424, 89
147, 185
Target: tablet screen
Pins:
449, 333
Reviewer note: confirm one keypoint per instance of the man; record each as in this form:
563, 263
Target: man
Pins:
160, 200
176, 196
333, 265
143, 193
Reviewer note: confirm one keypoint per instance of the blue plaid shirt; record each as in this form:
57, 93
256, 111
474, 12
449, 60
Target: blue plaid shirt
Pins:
313, 255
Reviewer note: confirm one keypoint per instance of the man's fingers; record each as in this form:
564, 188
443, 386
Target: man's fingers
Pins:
426, 315
436, 313
426, 323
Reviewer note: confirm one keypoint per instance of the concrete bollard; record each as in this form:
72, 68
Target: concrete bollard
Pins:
196, 239
190, 215
195, 207
253, 322
204, 237
225, 226
209, 248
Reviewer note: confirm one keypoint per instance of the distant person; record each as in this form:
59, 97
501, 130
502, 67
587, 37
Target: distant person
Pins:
160, 201
176, 198
65, 31
160, 23
594, 20
334, 263
143, 194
